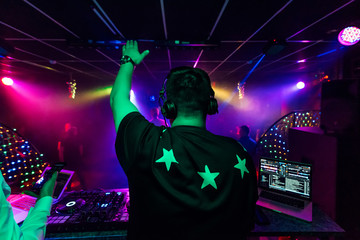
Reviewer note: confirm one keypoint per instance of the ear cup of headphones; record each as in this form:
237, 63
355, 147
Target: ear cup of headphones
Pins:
169, 109
212, 107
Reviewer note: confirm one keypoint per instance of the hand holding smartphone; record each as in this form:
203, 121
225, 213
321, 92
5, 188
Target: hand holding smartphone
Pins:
36, 189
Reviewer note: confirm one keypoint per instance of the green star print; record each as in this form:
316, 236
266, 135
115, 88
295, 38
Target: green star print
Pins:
167, 158
209, 178
241, 166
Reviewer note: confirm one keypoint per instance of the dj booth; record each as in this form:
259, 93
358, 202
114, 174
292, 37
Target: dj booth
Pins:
102, 214
99, 214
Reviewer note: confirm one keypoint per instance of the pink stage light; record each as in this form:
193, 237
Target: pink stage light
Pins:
349, 36
302, 60
300, 85
7, 81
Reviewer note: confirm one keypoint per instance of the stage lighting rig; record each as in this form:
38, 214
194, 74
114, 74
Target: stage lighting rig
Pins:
92, 43
72, 88
349, 36
7, 81
241, 90
274, 46
300, 85
116, 44
186, 44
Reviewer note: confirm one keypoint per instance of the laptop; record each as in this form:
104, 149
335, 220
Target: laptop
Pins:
285, 187
21, 203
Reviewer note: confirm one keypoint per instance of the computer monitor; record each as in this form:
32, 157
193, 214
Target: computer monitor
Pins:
286, 177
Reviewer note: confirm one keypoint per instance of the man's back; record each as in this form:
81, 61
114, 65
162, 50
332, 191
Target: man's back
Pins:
185, 182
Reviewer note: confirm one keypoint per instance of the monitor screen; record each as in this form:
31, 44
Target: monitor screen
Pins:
291, 178
61, 181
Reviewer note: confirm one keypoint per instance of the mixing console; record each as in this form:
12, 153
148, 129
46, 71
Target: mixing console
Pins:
90, 211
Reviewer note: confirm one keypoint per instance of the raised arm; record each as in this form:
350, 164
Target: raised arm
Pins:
120, 93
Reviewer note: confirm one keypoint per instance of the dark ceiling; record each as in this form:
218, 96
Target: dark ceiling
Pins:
43, 34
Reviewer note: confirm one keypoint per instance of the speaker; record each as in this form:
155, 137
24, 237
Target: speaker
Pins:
340, 107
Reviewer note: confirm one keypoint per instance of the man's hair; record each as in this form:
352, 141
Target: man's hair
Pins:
246, 129
189, 88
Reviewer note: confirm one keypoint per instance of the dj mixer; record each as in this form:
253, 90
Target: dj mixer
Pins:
90, 211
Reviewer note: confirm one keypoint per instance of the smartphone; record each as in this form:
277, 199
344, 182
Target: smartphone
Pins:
46, 176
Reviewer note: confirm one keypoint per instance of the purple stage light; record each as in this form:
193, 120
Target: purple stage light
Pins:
349, 36
301, 61
300, 85
7, 81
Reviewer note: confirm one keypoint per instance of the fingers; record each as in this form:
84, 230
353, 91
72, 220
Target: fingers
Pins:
130, 44
144, 54
52, 180
48, 188
30, 193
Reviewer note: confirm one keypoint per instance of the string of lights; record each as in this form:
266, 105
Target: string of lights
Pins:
20, 162
274, 142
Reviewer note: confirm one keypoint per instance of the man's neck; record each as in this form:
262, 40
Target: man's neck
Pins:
194, 121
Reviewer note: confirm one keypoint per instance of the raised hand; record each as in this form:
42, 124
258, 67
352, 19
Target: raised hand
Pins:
131, 49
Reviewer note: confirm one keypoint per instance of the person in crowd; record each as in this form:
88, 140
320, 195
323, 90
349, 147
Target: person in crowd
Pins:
184, 181
34, 225
246, 141
70, 149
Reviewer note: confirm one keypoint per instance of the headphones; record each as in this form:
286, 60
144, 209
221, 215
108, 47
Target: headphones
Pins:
168, 107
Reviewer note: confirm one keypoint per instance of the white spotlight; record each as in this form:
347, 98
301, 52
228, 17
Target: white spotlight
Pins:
300, 85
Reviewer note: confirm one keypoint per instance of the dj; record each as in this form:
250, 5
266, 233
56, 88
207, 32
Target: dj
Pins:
184, 182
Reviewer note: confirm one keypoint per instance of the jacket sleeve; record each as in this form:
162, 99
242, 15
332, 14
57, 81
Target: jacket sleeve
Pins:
33, 226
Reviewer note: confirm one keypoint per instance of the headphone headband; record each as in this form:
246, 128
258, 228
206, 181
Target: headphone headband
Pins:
168, 107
